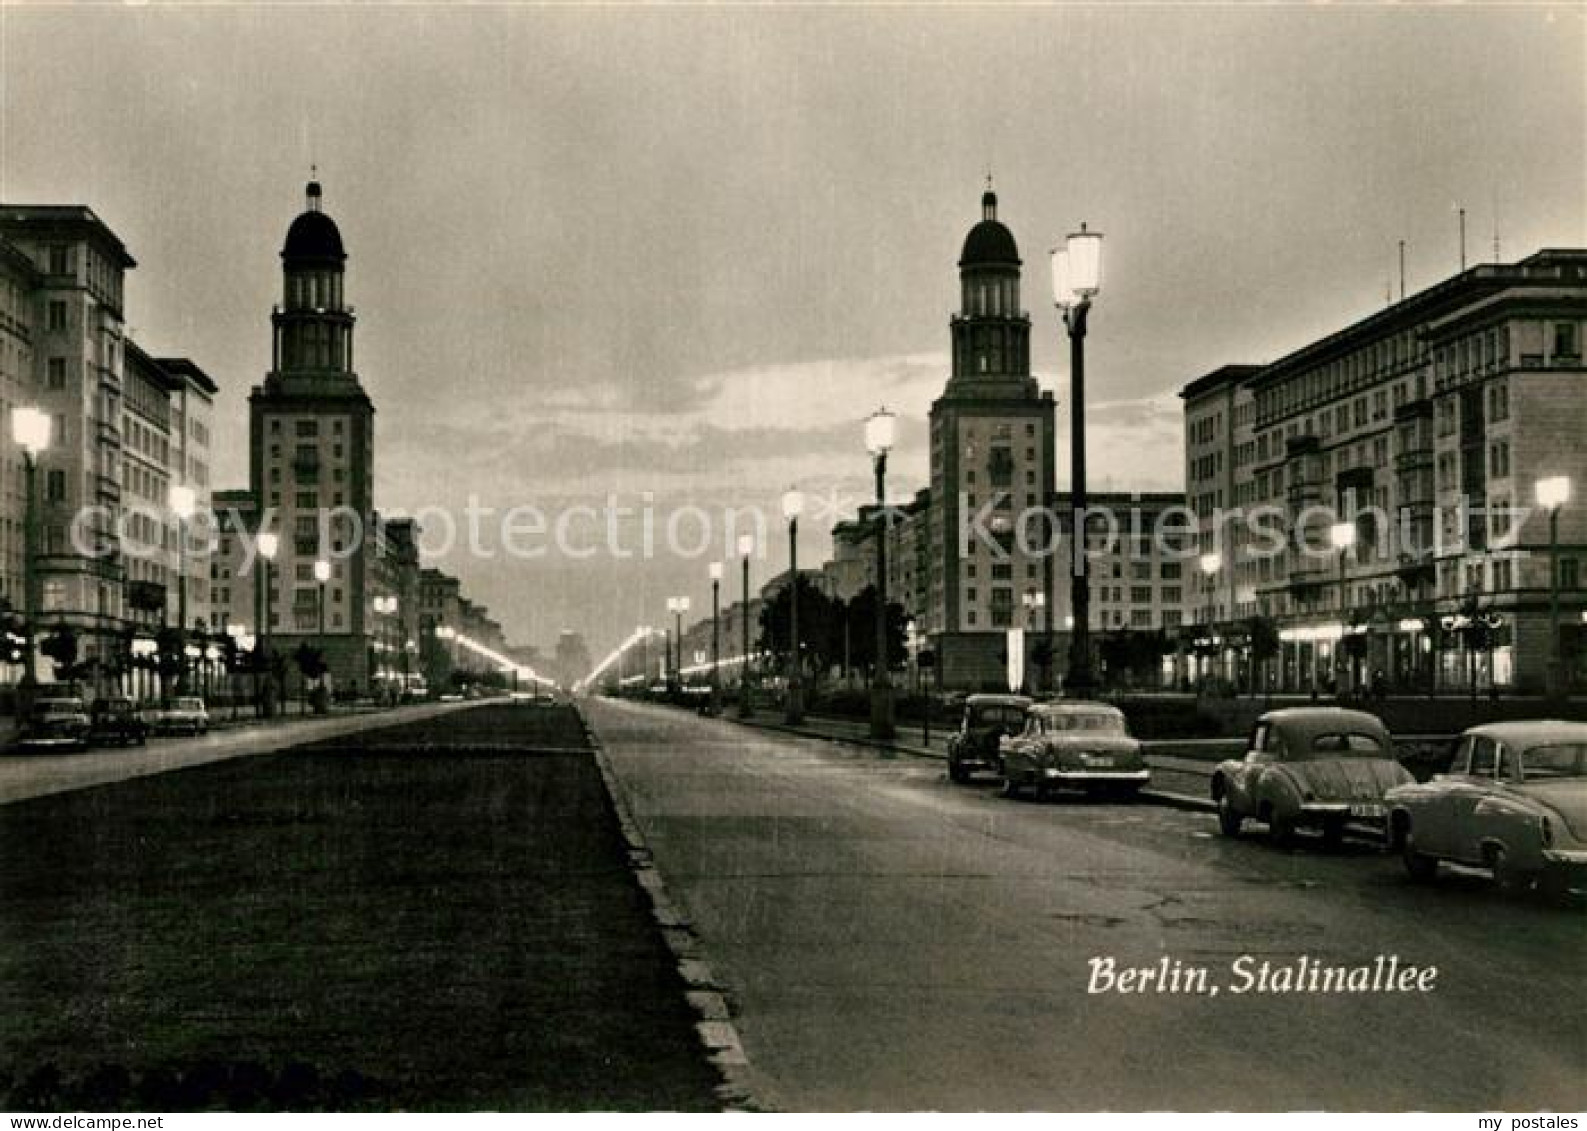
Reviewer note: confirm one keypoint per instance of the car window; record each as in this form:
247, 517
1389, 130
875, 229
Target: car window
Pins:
1348, 742
1506, 759
1554, 760
1088, 721
999, 716
1484, 755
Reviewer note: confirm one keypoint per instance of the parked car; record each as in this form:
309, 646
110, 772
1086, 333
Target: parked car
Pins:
1514, 801
116, 721
986, 720
1075, 743
182, 715
55, 722
1317, 767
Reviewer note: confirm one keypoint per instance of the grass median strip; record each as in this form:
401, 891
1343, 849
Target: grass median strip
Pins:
425, 918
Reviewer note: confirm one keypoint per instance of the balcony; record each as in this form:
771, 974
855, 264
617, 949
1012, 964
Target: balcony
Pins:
107, 489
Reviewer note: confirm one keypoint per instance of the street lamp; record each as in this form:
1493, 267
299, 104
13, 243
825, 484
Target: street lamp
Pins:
1210, 563
267, 544
677, 606
746, 547
1077, 279
322, 574
879, 435
716, 638
1342, 536
1035, 602
30, 428
183, 502
793, 505
1552, 494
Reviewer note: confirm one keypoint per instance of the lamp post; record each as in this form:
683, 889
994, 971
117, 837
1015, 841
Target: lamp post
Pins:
716, 638
1210, 563
793, 505
267, 544
1035, 602
677, 606
1342, 536
30, 428
1552, 494
746, 547
1076, 273
879, 434
322, 574
183, 501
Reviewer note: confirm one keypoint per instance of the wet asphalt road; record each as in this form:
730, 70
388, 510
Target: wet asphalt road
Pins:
892, 941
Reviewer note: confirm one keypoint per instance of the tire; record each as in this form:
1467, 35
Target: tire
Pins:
1418, 865
1280, 830
1010, 788
1506, 878
1229, 820
957, 773
1333, 834
1038, 792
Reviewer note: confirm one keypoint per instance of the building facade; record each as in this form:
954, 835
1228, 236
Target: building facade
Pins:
1420, 432
992, 448
312, 456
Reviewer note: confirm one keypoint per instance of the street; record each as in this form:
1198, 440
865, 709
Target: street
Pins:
892, 941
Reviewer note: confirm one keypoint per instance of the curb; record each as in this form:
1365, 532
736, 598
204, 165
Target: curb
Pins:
1178, 801
851, 740
1164, 798
704, 993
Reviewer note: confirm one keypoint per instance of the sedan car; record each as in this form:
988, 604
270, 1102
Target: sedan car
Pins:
182, 715
1514, 801
55, 722
116, 721
987, 719
1075, 744
1318, 767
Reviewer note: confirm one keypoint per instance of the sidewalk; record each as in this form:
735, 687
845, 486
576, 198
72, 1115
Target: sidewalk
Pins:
25, 775
1178, 780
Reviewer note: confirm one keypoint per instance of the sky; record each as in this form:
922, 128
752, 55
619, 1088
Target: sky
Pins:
672, 257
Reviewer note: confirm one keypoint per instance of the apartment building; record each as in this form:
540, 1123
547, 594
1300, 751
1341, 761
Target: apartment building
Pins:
1401, 456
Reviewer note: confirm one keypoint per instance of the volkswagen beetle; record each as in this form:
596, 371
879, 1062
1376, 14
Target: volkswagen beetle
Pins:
1317, 767
1514, 801
1072, 743
987, 719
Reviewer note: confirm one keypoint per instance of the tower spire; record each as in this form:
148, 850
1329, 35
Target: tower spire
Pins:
312, 203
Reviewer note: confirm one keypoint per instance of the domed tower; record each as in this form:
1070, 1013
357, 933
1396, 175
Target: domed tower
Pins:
312, 456
991, 471
313, 327
991, 333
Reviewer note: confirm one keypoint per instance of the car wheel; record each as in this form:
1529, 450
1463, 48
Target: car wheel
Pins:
1229, 819
1418, 865
1280, 830
1554, 884
1038, 791
1505, 877
956, 773
1333, 833
1010, 787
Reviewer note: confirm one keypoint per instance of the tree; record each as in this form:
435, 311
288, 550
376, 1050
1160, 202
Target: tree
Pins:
1263, 635
61, 646
820, 626
860, 615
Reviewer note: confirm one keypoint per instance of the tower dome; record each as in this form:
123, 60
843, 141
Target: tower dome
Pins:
313, 239
989, 243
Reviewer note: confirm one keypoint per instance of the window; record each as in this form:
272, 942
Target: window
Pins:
1570, 573
1565, 340
57, 369
57, 315
55, 485
59, 263
308, 428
